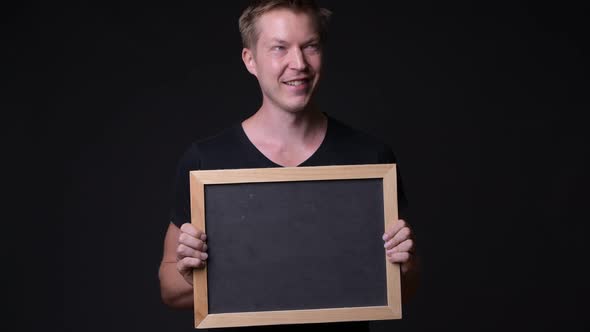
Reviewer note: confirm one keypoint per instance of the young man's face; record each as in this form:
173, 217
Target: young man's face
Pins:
286, 60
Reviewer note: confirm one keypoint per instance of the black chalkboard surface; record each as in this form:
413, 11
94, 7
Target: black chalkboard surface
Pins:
295, 245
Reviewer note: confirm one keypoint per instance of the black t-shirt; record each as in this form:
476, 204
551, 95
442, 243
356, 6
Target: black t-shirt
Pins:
232, 149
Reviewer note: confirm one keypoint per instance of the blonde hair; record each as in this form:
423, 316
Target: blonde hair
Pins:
252, 13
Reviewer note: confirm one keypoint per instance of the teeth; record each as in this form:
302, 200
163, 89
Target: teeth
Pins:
295, 83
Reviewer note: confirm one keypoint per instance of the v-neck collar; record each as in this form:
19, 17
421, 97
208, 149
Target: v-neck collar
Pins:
271, 163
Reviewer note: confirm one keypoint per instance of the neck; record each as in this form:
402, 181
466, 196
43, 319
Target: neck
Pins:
286, 128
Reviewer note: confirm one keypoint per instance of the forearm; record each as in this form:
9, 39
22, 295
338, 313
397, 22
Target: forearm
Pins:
175, 291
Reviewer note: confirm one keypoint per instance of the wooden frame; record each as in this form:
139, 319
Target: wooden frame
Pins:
198, 181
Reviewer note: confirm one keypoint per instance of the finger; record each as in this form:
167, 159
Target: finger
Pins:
405, 246
399, 237
190, 241
183, 251
189, 263
394, 229
193, 231
399, 257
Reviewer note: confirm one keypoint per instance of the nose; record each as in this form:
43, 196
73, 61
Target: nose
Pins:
298, 61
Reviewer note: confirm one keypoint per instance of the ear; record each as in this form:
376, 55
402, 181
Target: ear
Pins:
248, 58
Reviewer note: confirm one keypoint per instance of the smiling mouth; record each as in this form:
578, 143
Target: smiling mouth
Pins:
297, 82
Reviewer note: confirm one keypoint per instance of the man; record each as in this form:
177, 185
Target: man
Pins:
283, 47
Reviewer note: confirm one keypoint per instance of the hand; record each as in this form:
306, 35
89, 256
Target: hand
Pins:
399, 245
191, 251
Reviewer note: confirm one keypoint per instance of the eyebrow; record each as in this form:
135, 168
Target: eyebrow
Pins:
309, 41
279, 41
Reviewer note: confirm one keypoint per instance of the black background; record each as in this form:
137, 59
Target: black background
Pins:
482, 103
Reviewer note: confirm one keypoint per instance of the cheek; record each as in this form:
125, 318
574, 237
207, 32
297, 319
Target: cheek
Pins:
271, 69
315, 62
277, 66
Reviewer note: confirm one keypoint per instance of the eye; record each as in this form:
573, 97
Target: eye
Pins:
313, 47
278, 48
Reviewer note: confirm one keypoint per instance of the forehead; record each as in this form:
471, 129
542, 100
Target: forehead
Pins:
287, 25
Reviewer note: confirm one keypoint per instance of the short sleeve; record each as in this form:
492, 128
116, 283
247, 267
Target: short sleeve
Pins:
180, 211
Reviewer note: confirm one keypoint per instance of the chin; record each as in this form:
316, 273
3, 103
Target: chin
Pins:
296, 109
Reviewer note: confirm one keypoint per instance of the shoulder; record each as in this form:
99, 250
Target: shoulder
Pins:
348, 132
226, 149
223, 140
356, 140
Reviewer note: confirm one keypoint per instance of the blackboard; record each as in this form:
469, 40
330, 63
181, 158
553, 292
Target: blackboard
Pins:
295, 245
